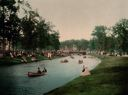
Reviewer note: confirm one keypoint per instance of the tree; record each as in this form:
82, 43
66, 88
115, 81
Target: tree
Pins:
43, 34
121, 33
9, 22
93, 44
29, 23
79, 44
29, 31
54, 40
82, 44
99, 34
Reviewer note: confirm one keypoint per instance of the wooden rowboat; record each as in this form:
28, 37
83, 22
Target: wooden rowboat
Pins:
64, 61
33, 74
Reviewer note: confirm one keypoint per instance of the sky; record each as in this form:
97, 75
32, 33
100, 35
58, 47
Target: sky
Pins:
76, 19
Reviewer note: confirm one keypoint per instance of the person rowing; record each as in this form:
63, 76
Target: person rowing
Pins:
39, 71
45, 70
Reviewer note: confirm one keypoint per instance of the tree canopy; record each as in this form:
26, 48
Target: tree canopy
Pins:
110, 39
79, 44
28, 32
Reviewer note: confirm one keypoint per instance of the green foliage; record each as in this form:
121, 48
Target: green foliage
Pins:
28, 32
111, 39
93, 44
79, 44
54, 40
99, 34
43, 35
121, 32
9, 22
9, 61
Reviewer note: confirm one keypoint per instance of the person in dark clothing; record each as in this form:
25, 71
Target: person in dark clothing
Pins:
83, 68
39, 71
45, 70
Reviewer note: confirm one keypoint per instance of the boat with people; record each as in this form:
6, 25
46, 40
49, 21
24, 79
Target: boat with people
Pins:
38, 73
35, 74
64, 61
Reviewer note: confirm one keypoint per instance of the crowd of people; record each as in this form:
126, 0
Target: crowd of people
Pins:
32, 56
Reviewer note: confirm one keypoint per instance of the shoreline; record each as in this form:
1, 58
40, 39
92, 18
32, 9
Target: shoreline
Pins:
108, 78
90, 67
8, 61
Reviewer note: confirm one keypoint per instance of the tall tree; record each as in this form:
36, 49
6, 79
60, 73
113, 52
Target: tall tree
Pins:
29, 23
43, 34
99, 33
54, 40
121, 33
9, 22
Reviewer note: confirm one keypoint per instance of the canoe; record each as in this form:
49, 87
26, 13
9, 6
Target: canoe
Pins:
33, 74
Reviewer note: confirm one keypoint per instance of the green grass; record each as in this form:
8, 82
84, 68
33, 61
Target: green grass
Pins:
40, 57
108, 78
13, 61
9, 61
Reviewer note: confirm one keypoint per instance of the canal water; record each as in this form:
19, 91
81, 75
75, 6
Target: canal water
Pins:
14, 79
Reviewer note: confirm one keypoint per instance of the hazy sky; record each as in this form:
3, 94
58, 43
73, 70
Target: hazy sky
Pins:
75, 19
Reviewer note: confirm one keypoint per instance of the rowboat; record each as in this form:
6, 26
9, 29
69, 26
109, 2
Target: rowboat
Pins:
80, 61
34, 74
64, 61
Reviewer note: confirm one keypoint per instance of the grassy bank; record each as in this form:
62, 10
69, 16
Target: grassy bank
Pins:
108, 78
13, 61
